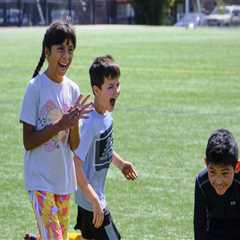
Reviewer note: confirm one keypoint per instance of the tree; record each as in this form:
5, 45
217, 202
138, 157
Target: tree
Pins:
151, 12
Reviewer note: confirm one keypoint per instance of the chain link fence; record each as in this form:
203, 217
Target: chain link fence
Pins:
43, 12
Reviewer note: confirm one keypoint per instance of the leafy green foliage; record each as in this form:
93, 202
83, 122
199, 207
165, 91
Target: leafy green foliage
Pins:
149, 12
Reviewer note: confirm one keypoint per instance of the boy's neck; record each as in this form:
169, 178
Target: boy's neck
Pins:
99, 109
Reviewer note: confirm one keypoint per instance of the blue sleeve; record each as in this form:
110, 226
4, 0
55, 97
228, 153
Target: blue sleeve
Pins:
200, 218
87, 135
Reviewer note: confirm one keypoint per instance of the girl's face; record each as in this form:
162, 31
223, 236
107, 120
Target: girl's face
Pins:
106, 96
59, 59
220, 177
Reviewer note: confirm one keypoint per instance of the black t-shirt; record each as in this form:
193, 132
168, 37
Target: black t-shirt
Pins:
216, 217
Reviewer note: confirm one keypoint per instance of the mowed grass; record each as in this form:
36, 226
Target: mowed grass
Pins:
177, 86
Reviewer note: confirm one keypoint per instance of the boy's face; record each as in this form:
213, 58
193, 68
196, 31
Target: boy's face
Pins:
107, 95
59, 59
220, 177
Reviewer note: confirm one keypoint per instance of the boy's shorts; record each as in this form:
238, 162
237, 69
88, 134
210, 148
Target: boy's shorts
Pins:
107, 231
52, 214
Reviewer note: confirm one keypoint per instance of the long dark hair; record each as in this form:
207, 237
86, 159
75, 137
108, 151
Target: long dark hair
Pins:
57, 33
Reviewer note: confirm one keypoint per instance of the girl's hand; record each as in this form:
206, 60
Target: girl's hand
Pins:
83, 107
69, 119
98, 215
129, 171
80, 110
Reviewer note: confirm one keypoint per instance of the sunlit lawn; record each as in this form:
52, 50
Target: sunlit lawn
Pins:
177, 86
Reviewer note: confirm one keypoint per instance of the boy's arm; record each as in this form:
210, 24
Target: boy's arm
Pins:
98, 215
200, 218
126, 167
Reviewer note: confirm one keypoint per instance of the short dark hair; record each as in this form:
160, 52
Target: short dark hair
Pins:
56, 34
222, 148
101, 68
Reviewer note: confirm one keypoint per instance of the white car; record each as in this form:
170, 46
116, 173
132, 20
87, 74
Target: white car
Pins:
223, 16
236, 17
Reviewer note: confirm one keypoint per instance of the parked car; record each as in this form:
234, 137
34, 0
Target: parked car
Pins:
236, 17
223, 16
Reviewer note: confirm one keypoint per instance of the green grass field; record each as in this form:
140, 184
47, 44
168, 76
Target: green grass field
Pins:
177, 86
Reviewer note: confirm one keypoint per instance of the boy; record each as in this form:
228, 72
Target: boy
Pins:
95, 153
217, 191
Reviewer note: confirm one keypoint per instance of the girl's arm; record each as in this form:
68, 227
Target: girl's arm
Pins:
74, 139
98, 215
126, 167
33, 138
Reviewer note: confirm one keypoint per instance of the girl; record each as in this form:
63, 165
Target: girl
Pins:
51, 109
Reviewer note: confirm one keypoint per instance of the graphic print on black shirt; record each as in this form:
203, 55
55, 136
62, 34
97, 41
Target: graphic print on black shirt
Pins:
104, 150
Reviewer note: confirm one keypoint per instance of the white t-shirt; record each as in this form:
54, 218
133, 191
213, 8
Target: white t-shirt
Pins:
49, 167
95, 150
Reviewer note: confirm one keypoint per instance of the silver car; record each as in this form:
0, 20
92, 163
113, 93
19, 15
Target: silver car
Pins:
236, 17
223, 16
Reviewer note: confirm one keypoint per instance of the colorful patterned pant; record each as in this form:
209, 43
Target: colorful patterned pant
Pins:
52, 213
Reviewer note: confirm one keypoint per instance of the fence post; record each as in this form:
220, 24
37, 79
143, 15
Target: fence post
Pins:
45, 4
93, 12
70, 10
19, 6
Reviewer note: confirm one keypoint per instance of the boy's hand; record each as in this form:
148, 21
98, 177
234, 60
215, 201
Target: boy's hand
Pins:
98, 215
129, 171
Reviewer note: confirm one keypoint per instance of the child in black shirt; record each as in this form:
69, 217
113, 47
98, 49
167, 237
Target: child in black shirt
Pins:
217, 191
